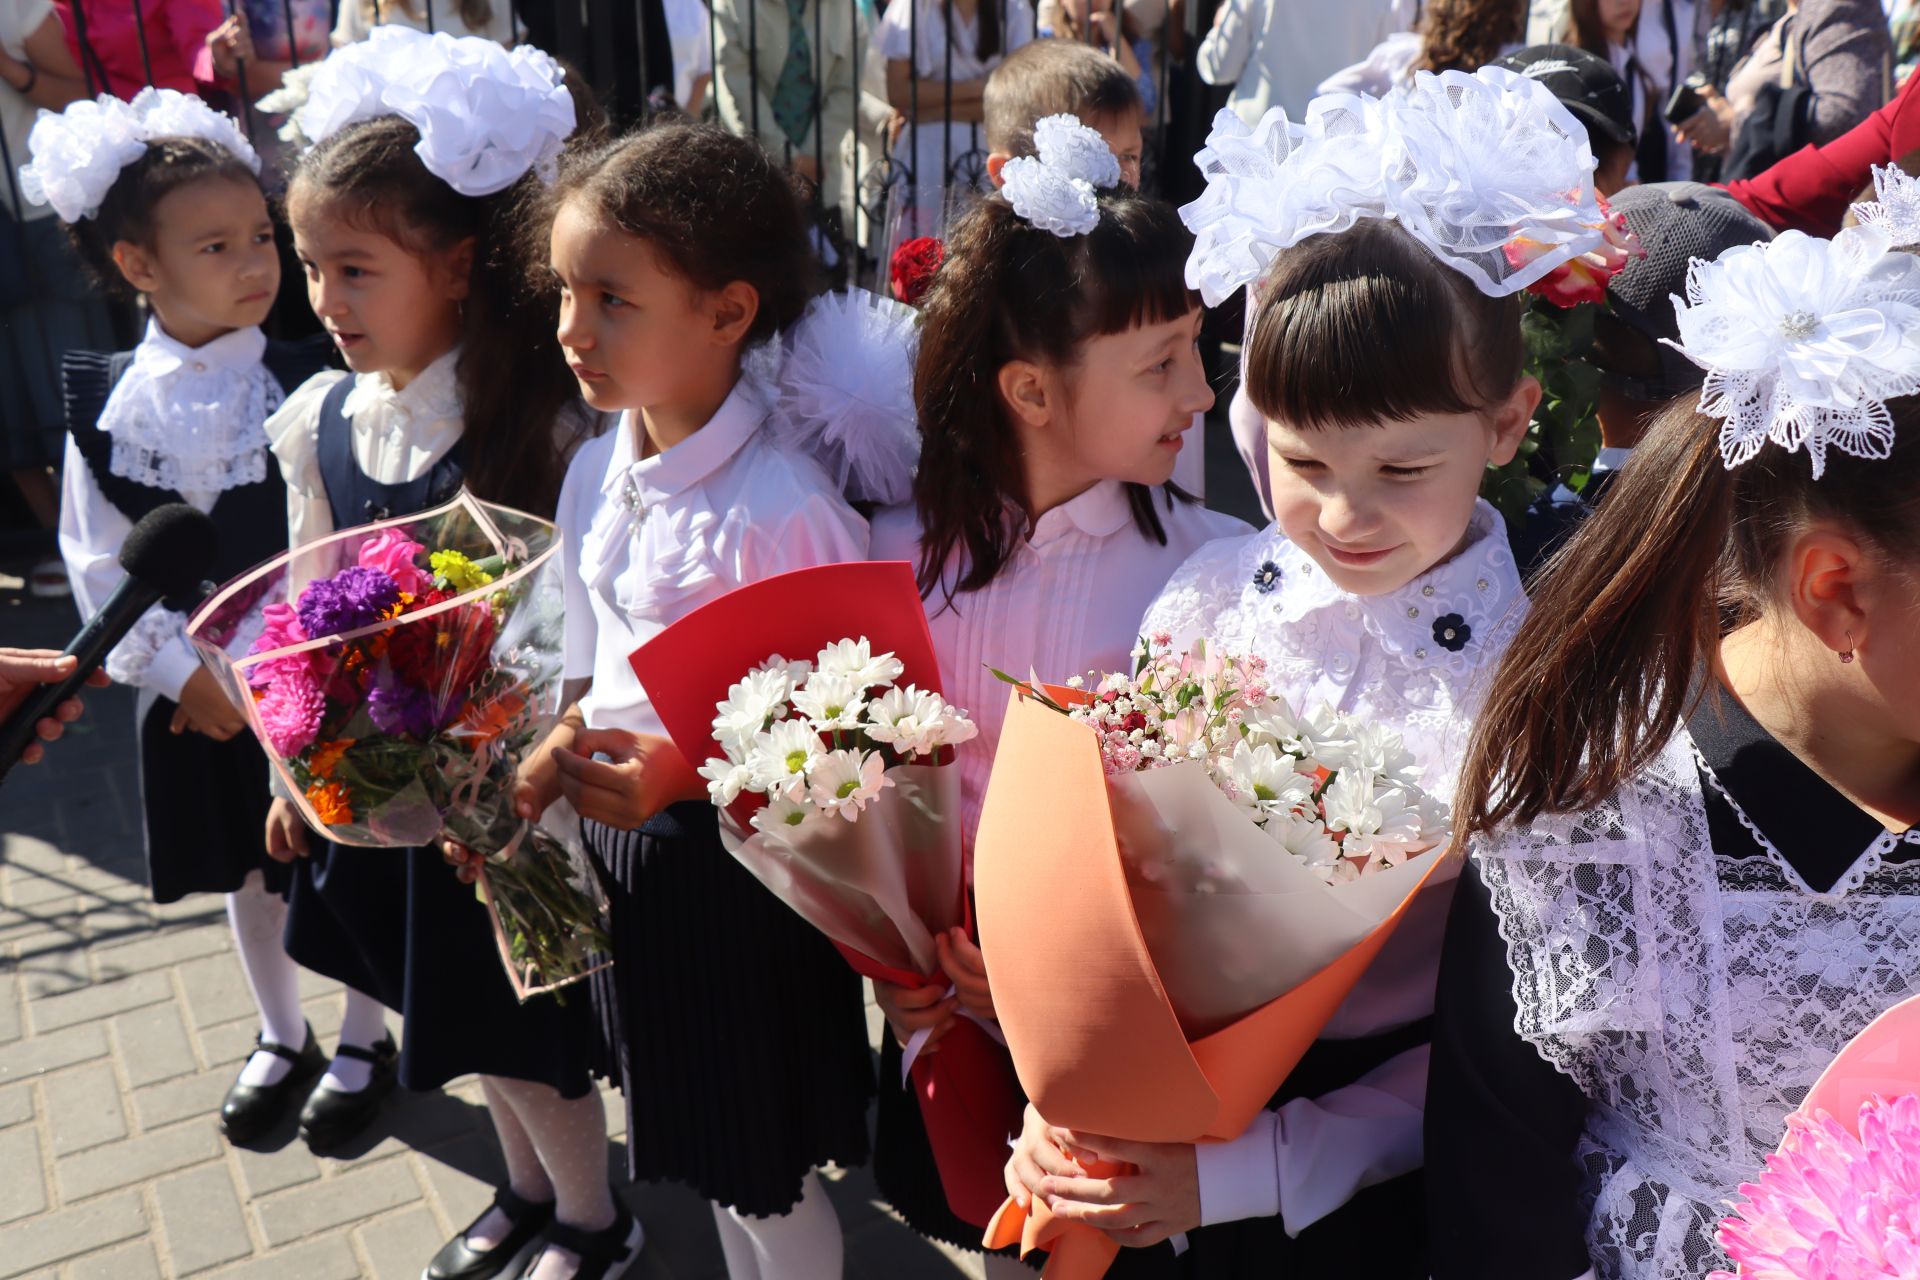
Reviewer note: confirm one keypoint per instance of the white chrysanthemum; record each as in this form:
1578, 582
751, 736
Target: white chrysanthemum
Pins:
1272, 722
1066, 144
1383, 823
782, 814
857, 660
782, 756
1305, 838
1265, 781
845, 782
1381, 752
832, 701
1896, 206
726, 779
751, 705
1050, 199
916, 722
1804, 341
1323, 739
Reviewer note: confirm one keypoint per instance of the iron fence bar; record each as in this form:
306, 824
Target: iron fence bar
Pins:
293, 33
429, 17
87, 56
240, 78
140, 31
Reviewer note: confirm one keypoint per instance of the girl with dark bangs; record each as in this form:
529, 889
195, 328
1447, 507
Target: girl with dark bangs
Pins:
1385, 354
1057, 379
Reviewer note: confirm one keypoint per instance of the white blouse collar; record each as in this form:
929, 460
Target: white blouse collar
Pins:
160, 355
646, 481
1443, 618
192, 419
433, 396
1098, 512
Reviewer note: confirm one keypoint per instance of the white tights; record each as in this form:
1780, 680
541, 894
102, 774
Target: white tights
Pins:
804, 1243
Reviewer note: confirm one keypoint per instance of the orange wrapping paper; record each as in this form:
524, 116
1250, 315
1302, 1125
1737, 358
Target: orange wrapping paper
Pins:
1094, 1037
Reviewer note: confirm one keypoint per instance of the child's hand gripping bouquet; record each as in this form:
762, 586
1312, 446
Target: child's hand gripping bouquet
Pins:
416, 666
1213, 869
828, 758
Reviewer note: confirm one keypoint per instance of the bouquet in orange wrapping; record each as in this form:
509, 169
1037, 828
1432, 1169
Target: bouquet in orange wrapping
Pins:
1219, 868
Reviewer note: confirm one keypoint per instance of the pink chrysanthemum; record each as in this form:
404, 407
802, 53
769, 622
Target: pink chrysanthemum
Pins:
1832, 1205
282, 628
290, 712
396, 555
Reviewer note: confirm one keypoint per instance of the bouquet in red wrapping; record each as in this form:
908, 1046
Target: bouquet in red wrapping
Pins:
397, 693
831, 776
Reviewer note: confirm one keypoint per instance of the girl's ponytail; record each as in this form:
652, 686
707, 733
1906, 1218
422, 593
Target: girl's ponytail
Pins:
1601, 672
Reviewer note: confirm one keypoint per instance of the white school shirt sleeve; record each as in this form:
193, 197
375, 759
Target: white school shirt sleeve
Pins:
820, 530
1223, 54
579, 495
293, 435
1311, 1156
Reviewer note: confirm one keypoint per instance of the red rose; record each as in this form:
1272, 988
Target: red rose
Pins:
913, 267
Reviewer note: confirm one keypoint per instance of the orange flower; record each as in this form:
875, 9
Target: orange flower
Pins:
325, 758
488, 720
329, 801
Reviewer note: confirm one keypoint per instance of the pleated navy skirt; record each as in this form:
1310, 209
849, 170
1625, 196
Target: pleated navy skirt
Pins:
398, 925
205, 805
733, 1027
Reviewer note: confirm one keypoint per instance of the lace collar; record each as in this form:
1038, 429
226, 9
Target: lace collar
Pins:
1761, 796
642, 482
433, 396
1098, 512
1445, 619
191, 419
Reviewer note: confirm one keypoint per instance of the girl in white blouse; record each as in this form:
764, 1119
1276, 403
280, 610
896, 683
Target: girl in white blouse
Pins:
183, 225
1054, 398
734, 1028
403, 224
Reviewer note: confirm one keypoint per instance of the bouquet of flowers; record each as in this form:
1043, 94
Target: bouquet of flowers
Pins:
1225, 867
833, 783
1840, 1199
397, 694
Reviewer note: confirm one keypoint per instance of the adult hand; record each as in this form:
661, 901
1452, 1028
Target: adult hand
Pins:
204, 708
966, 968
230, 43
910, 1010
1709, 129
643, 775
1154, 1194
21, 671
286, 832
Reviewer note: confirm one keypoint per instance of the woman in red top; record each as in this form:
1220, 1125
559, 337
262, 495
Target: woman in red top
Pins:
123, 53
1810, 190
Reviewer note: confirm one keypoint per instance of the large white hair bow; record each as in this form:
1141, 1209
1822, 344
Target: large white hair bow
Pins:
1058, 189
486, 114
1489, 171
1804, 341
78, 153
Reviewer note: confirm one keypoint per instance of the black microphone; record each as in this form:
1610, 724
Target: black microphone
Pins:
167, 556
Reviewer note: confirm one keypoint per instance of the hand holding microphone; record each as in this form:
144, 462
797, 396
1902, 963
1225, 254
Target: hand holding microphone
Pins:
23, 670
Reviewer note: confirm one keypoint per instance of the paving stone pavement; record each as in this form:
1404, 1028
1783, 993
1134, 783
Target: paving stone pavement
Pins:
122, 1024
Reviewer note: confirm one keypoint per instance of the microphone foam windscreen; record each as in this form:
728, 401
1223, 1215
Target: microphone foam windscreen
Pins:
172, 550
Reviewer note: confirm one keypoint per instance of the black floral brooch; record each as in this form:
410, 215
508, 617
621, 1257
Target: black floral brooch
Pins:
1451, 632
1266, 577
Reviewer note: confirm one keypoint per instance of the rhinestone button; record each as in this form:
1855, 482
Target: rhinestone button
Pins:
1482, 584
1419, 653
1427, 591
1353, 611
1413, 611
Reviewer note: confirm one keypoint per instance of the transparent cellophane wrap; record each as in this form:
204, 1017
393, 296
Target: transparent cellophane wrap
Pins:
494, 693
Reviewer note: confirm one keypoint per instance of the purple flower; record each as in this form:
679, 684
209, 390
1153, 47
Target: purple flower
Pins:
353, 598
396, 707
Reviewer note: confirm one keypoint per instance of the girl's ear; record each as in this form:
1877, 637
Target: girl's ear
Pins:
1508, 420
1023, 389
734, 307
136, 264
1829, 583
458, 263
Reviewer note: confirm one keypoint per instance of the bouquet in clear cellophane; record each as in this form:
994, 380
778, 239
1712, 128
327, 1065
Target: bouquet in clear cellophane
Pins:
814, 699
405, 669
1179, 880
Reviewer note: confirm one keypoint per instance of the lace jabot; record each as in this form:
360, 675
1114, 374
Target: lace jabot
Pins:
190, 419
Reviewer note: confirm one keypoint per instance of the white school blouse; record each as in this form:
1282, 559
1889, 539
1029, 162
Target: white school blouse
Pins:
647, 540
1067, 603
1413, 660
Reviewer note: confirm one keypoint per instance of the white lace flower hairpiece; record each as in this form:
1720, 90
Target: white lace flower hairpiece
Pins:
1896, 206
1489, 171
78, 153
1058, 188
1804, 341
486, 114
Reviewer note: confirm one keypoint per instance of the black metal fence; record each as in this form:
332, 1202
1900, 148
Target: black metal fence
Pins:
880, 169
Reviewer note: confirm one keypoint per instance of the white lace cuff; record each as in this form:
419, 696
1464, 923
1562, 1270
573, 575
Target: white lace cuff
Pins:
154, 655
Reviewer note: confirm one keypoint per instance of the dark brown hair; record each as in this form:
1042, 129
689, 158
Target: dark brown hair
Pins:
1584, 29
514, 383
1052, 77
1681, 551
987, 17
1465, 35
1009, 291
714, 204
1366, 325
126, 213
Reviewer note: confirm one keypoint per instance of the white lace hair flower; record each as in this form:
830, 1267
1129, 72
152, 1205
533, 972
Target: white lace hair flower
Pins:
1058, 188
1896, 206
77, 154
485, 114
1489, 171
1804, 341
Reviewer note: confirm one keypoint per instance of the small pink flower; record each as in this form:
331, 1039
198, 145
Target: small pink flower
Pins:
290, 712
394, 554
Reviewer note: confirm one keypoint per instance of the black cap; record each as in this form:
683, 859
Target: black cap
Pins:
1587, 86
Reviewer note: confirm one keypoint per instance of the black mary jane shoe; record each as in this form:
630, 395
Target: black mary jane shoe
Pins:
333, 1117
604, 1255
458, 1260
251, 1111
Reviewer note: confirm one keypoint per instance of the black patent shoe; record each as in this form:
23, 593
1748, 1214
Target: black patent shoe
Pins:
332, 1116
604, 1255
251, 1111
458, 1260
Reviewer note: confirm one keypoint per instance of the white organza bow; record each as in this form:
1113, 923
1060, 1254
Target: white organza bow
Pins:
78, 153
1058, 188
486, 114
1804, 341
1489, 171
1896, 206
